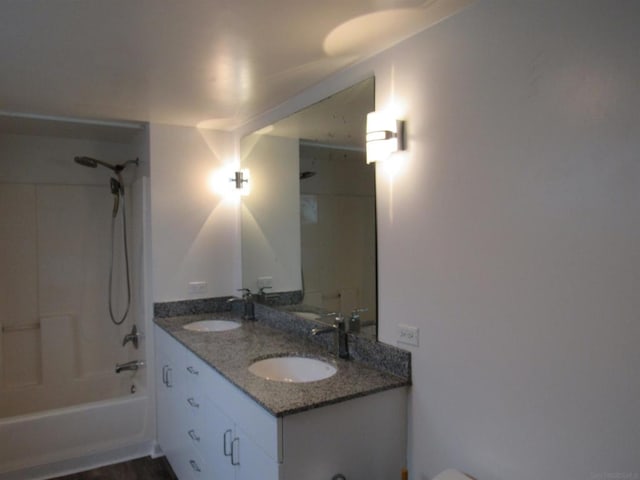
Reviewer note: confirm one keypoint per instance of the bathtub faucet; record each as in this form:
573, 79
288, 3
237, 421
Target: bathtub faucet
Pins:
133, 337
132, 366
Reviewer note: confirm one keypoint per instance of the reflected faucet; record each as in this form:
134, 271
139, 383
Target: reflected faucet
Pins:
132, 366
340, 339
247, 299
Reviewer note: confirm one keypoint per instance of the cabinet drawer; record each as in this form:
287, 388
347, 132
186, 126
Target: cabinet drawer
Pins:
194, 467
206, 430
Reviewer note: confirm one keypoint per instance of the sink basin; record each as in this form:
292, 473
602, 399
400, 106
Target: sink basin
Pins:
211, 325
293, 369
307, 315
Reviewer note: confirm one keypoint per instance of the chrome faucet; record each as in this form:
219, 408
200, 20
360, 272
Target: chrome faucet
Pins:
132, 366
340, 339
247, 299
133, 337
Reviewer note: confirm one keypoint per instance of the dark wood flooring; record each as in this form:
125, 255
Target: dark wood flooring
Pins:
139, 469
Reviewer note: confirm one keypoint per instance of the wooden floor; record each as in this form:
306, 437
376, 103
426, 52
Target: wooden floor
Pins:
139, 469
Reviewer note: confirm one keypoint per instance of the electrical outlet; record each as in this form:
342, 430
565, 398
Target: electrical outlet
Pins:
265, 282
408, 335
198, 288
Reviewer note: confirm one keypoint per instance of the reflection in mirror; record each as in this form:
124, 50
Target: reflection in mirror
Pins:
308, 226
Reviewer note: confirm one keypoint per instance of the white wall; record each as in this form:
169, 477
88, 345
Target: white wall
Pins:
510, 236
194, 232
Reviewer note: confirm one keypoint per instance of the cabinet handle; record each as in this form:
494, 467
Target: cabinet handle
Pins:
194, 437
169, 383
234, 452
194, 465
227, 451
164, 374
193, 403
192, 371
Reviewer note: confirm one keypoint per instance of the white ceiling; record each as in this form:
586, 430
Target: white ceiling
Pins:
213, 63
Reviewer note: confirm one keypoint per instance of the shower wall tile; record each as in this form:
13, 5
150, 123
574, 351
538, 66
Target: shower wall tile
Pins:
59, 348
74, 245
21, 352
18, 261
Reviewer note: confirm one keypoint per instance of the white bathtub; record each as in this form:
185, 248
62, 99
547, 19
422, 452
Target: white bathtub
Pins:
66, 440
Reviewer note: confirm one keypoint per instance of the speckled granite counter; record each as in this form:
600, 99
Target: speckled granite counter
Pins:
230, 353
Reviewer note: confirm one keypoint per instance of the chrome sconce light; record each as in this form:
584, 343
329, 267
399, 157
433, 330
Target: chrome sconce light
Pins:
240, 180
385, 135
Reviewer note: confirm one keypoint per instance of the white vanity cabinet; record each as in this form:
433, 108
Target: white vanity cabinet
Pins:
195, 417
210, 429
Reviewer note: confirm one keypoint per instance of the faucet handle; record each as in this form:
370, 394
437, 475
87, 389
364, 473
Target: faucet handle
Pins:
262, 293
340, 323
354, 320
246, 293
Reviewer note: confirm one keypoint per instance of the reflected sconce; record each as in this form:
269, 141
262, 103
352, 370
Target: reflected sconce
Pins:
385, 135
240, 180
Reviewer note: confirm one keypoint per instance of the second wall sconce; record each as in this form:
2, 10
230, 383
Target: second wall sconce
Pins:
385, 135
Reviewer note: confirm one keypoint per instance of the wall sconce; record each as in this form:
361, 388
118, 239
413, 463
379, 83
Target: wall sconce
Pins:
385, 136
241, 181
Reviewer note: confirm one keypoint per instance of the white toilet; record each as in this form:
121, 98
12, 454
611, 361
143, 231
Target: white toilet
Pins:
452, 475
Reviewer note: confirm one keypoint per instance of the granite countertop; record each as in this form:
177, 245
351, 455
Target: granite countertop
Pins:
231, 352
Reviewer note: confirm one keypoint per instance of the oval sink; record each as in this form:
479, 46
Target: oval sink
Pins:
293, 369
212, 325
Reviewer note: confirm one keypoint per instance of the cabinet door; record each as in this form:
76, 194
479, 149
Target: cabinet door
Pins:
170, 414
250, 461
219, 433
166, 376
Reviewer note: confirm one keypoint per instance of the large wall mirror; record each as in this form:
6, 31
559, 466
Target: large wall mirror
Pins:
309, 222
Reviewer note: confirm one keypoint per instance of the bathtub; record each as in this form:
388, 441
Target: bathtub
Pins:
66, 440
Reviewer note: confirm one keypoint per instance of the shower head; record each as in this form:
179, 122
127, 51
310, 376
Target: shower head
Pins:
86, 162
93, 163
307, 174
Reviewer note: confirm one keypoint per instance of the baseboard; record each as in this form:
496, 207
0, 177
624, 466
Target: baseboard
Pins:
86, 462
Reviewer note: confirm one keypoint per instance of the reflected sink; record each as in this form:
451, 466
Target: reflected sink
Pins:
307, 315
212, 325
293, 369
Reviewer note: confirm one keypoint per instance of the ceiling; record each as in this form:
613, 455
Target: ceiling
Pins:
213, 63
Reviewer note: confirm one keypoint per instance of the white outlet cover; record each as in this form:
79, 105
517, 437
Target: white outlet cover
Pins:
409, 335
198, 287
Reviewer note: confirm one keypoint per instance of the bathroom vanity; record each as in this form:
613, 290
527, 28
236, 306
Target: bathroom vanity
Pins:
218, 420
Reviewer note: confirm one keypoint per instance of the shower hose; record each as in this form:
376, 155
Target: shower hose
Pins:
126, 258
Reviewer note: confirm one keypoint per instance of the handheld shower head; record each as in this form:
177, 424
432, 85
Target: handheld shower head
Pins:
86, 162
93, 163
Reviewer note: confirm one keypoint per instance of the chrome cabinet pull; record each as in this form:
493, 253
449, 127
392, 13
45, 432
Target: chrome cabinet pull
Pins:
235, 454
169, 383
227, 451
191, 401
192, 371
194, 437
164, 374
194, 465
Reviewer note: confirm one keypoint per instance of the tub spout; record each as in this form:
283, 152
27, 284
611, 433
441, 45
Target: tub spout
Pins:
132, 366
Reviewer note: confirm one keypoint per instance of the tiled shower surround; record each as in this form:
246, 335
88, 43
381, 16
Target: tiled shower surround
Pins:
58, 346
